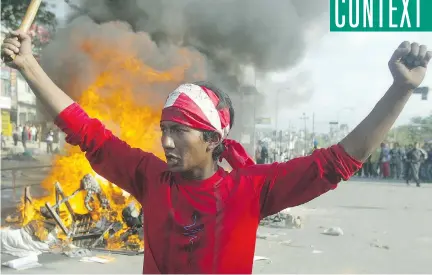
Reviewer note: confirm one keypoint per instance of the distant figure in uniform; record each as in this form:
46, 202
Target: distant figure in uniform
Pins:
24, 137
397, 155
263, 153
414, 159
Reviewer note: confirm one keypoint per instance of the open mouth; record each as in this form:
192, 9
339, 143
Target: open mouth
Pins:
172, 160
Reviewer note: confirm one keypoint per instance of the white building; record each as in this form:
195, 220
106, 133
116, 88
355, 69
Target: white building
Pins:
5, 102
17, 101
26, 102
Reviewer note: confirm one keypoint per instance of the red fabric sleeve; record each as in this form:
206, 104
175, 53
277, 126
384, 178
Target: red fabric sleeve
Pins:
110, 157
283, 185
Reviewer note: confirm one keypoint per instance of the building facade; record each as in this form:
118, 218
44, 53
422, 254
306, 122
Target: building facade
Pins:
6, 102
17, 101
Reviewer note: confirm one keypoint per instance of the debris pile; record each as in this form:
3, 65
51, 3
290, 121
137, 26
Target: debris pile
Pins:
103, 223
333, 231
283, 219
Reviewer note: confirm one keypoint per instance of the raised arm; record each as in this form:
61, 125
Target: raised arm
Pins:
408, 67
110, 157
301, 180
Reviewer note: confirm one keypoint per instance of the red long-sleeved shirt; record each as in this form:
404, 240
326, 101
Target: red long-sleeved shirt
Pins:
206, 226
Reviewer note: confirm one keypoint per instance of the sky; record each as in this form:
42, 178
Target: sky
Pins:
348, 74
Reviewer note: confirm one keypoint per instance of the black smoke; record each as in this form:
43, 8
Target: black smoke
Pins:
268, 35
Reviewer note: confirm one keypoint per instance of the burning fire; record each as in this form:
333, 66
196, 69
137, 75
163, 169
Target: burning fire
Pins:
114, 99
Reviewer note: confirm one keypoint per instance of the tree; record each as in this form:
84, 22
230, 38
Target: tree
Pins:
418, 130
13, 12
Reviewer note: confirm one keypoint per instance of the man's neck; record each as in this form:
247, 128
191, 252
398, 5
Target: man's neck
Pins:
201, 173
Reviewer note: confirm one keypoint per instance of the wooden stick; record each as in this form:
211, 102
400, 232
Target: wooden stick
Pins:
30, 15
57, 218
27, 195
27, 21
61, 195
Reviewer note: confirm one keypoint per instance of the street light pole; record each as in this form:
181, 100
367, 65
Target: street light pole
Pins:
313, 127
254, 114
277, 118
305, 118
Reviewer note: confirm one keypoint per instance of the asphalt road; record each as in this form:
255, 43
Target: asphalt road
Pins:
387, 229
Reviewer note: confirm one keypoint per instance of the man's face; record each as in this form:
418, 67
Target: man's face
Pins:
185, 148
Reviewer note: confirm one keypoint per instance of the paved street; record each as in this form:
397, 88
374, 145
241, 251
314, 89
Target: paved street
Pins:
24, 177
373, 216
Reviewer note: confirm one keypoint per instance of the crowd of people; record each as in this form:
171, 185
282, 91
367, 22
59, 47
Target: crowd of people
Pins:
411, 163
33, 134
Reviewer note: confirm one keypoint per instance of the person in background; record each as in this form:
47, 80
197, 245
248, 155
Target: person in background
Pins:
24, 137
315, 146
264, 153
33, 131
285, 156
29, 135
15, 135
258, 158
428, 149
39, 135
3, 141
50, 141
375, 162
385, 160
397, 155
414, 159
367, 167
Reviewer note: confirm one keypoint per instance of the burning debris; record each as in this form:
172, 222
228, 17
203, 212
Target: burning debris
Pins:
89, 184
103, 227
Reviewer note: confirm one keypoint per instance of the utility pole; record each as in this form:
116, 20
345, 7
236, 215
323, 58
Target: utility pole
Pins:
289, 139
276, 144
254, 138
313, 126
305, 118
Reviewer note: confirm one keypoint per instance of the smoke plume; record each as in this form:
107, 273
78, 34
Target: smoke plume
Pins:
231, 34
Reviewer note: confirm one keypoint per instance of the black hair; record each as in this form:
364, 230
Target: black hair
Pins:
224, 102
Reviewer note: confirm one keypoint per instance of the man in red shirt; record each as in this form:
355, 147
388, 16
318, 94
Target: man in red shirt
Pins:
199, 218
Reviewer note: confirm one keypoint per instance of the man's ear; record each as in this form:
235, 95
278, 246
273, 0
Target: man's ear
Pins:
214, 141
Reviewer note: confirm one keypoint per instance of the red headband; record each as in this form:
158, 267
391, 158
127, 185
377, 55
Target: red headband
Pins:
195, 107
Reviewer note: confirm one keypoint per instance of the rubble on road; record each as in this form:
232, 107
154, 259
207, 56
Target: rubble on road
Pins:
333, 231
283, 219
377, 244
293, 221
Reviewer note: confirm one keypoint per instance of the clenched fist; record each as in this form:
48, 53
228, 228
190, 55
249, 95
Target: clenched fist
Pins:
408, 64
19, 44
